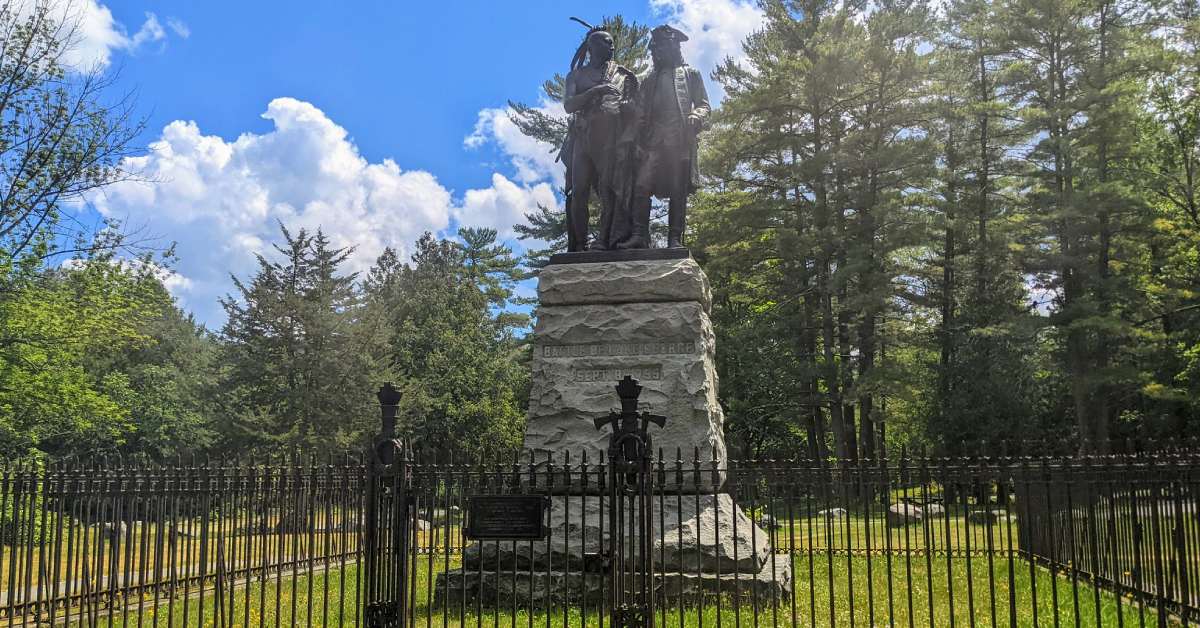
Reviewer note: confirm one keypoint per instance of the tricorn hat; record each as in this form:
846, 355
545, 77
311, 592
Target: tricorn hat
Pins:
668, 33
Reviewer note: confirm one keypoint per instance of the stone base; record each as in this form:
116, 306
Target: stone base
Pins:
685, 539
598, 322
622, 255
772, 583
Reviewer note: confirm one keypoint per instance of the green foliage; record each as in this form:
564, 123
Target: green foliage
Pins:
444, 334
58, 138
60, 392
962, 227
171, 395
297, 370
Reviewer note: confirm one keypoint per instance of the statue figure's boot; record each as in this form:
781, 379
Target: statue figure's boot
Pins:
639, 225
639, 235
676, 212
639, 240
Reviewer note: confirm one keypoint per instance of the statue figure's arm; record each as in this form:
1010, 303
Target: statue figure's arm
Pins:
631, 108
574, 102
700, 106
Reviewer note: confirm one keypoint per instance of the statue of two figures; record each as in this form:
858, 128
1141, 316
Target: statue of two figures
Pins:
630, 138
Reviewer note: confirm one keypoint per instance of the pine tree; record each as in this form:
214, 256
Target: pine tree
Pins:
1073, 74
297, 371
1167, 172
889, 159
984, 376
496, 272
442, 333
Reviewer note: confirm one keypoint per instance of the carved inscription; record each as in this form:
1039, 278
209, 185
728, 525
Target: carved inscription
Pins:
614, 374
618, 349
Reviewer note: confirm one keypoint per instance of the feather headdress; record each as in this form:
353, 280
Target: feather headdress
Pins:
582, 51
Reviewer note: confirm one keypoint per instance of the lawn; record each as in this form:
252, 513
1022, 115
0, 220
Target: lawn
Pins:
838, 593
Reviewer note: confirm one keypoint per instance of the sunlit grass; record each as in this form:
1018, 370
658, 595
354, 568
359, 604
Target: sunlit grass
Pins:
827, 591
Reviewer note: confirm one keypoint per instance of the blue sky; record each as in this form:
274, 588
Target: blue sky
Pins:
373, 120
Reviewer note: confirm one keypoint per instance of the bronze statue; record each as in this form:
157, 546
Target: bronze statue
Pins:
672, 105
599, 95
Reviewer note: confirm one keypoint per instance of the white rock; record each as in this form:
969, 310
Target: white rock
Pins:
833, 513
114, 531
989, 517
935, 510
903, 514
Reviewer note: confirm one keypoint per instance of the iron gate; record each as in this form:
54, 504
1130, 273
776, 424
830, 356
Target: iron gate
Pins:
623, 489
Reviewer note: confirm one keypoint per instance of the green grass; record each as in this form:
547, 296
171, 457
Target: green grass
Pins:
848, 597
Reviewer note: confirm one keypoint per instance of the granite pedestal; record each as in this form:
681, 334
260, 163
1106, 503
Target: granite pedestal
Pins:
597, 321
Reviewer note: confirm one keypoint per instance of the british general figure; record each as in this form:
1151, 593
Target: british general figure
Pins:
673, 108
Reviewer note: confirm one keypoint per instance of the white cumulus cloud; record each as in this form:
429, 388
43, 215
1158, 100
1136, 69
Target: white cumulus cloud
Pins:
715, 30
222, 201
504, 204
531, 160
91, 33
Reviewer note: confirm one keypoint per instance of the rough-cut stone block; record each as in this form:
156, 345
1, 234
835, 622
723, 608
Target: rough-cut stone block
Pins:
580, 352
683, 541
623, 282
770, 585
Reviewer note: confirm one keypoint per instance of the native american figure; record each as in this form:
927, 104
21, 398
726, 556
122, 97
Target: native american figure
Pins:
672, 105
600, 97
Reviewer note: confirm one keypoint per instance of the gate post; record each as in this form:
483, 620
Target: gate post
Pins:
630, 447
385, 533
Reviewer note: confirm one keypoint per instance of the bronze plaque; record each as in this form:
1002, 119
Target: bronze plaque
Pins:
506, 517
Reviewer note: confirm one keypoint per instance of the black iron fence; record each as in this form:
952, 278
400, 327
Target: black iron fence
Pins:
1094, 541
200, 543
1111, 540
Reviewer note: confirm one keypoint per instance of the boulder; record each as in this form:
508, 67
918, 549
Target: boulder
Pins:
989, 517
833, 513
114, 532
443, 515
900, 515
934, 510
576, 525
